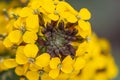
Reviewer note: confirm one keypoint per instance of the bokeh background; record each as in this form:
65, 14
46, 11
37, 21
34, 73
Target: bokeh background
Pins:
105, 22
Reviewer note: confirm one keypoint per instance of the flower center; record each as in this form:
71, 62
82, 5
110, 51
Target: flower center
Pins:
57, 38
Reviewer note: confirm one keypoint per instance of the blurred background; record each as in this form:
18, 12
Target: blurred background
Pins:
105, 22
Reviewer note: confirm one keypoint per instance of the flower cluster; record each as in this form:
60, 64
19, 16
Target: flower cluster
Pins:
53, 41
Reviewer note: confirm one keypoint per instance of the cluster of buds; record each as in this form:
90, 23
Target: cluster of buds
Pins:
53, 41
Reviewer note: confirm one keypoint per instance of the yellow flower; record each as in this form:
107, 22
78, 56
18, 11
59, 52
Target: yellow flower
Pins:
29, 34
84, 26
56, 65
28, 20
28, 54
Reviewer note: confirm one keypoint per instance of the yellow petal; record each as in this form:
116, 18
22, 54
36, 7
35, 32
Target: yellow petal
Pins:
84, 14
43, 60
25, 12
32, 23
35, 4
60, 7
26, 67
67, 68
2, 66
48, 6
71, 9
32, 75
54, 63
72, 19
19, 70
54, 73
67, 65
18, 23
9, 26
54, 17
20, 56
7, 43
82, 48
34, 67
84, 25
15, 36
45, 76
42, 10
79, 63
29, 37
31, 50
10, 63
68, 59
63, 6
69, 17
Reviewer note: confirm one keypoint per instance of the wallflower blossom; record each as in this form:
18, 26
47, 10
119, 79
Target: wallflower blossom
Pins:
53, 41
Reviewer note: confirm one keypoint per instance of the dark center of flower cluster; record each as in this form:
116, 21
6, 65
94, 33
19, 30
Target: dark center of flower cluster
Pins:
57, 39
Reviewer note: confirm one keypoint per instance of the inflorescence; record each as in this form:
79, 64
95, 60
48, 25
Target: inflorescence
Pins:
50, 40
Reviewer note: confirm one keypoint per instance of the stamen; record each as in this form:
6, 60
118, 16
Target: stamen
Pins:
31, 60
